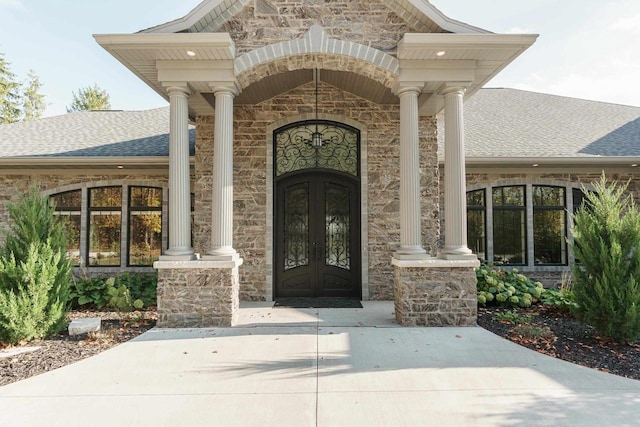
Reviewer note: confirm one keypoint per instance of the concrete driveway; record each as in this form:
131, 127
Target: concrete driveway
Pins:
321, 367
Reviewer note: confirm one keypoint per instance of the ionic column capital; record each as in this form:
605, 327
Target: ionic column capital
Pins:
454, 88
232, 89
178, 89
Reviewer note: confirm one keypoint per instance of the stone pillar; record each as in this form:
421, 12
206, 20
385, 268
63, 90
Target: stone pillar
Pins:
455, 191
410, 214
179, 177
222, 201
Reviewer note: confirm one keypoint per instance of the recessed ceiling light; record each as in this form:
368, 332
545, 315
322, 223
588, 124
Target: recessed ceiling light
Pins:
120, 167
441, 53
535, 165
634, 165
191, 53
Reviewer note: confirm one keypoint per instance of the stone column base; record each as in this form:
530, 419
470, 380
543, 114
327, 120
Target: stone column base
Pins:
197, 294
436, 292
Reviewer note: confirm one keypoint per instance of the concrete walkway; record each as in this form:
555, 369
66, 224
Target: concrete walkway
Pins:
321, 367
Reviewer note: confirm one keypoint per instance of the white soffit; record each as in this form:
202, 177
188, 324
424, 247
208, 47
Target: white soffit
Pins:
140, 53
489, 52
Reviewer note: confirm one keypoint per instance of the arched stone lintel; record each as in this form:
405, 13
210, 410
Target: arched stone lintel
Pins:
316, 50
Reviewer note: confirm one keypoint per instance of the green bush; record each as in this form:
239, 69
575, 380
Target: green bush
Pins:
606, 284
34, 271
139, 289
141, 286
91, 291
506, 287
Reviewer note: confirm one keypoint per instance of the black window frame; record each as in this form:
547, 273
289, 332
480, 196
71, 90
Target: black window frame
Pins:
512, 208
562, 208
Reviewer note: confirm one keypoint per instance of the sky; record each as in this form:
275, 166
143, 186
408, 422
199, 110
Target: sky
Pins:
587, 48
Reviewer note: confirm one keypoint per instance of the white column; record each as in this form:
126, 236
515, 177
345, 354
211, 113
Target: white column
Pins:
222, 202
410, 214
179, 177
455, 191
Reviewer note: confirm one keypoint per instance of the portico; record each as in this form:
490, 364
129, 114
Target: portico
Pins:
239, 94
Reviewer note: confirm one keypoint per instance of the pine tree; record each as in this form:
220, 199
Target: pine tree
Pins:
90, 98
33, 101
606, 232
10, 96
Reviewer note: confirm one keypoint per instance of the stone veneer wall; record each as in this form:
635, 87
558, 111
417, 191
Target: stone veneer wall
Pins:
271, 21
197, 297
250, 180
435, 296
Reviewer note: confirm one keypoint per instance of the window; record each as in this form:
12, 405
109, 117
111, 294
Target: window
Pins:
476, 218
509, 225
145, 225
105, 222
123, 225
549, 225
68, 206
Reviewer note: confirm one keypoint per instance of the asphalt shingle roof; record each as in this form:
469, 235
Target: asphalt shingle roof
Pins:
91, 134
506, 123
516, 123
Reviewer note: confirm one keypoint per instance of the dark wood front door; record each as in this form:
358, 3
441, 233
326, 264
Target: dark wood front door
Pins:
317, 251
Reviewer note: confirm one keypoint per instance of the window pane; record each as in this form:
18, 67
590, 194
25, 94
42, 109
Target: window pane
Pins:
549, 232
508, 196
475, 198
548, 196
475, 232
579, 199
105, 197
145, 237
68, 205
72, 226
104, 238
146, 197
509, 236
67, 200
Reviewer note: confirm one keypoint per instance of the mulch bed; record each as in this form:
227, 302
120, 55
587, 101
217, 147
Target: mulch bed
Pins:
556, 334
61, 350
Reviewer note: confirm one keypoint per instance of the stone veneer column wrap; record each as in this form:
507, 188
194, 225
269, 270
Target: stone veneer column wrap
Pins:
179, 177
455, 202
222, 201
410, 215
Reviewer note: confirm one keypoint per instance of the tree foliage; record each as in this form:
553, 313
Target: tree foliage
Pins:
19, 101
90, 98
35, 274
606, 231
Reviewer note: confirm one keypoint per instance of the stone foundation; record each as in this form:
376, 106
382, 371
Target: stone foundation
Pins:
435, 293
197, 294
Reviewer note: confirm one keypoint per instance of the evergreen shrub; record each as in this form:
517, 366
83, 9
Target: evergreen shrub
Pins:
34, 272
606, 286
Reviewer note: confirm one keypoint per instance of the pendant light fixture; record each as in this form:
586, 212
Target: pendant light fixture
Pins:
316, 137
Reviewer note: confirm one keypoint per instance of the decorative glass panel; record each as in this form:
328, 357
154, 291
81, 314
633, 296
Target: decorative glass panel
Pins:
105, 219
145, 225
294, 150
296, 226
337, 211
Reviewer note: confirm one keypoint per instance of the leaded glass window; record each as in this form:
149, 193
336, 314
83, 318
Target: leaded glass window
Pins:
294, 150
